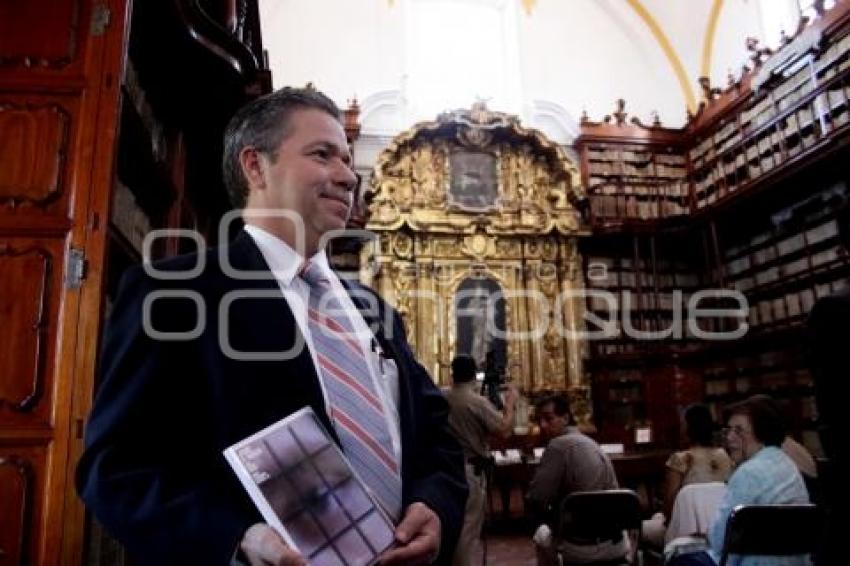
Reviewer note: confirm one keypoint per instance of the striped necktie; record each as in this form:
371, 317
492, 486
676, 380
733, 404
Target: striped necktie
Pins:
355, 406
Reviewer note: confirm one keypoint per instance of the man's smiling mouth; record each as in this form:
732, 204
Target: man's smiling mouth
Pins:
340, 198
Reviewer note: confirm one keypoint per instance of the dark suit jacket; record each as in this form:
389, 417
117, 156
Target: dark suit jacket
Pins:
829, 347
829, 333
153, 472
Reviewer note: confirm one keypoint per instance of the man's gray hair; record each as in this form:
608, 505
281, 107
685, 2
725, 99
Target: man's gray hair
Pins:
263, 124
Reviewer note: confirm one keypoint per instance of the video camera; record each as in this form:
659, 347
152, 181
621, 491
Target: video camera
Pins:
494, 380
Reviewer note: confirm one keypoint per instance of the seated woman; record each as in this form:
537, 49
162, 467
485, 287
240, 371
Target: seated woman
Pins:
798, 453
804, 461
701, 462
764, 475
694, 511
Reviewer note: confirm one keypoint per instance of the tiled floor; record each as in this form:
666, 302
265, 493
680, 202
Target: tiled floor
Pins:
507, 537
506, 550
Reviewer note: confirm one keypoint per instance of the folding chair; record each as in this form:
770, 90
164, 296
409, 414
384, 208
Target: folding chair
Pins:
589, 517
772, 530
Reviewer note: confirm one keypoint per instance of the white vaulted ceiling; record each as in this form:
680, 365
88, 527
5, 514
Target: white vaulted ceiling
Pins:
545, 60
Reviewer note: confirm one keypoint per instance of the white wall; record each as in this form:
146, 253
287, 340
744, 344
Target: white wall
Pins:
585, 54
571, 56
739, 19
345, 47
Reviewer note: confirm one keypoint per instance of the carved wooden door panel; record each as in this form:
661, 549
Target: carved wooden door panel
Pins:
60, 62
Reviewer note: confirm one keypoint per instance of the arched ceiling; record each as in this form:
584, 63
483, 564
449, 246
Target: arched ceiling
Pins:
564, 57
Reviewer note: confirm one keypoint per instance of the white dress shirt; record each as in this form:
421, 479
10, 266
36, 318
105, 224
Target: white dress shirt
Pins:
285, 263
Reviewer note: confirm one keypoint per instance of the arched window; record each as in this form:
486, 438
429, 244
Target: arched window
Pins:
460, 51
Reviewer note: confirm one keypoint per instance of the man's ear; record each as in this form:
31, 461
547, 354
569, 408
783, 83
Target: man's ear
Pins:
253, 167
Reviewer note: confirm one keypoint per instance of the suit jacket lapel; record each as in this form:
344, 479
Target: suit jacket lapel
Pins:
374, 320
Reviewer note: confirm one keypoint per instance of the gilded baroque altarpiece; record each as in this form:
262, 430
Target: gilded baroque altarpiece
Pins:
474, 195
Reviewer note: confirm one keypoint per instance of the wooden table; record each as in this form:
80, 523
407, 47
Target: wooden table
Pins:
641, 471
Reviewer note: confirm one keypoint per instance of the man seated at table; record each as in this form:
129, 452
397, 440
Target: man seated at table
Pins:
572, 462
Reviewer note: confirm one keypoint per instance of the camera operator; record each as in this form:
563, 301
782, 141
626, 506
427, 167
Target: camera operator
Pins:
472, 419
494, 380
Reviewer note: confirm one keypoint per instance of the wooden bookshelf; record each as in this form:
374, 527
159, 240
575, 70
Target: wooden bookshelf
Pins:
779, 126
619, 394
632, 172
648, 278
743, 198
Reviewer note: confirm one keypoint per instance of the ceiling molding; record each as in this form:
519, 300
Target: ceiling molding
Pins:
669, 52
566, 127
379, 107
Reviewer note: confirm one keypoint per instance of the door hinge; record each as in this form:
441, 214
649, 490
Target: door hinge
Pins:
100, 17
76, 269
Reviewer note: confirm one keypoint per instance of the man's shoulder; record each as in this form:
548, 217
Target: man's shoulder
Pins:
573, 439
188, 269
831, 306
177, 271
467, 397
481, 403
187, 262
841, 299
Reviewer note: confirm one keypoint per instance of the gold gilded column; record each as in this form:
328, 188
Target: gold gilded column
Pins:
573, 307
519, 348
534, 323
383, 282
429, 309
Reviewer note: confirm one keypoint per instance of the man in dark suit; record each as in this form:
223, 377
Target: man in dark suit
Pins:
829, 341
206, 349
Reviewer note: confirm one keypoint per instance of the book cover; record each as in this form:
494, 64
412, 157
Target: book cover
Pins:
306, 490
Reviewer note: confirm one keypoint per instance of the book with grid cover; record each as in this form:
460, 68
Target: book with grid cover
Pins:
307, 491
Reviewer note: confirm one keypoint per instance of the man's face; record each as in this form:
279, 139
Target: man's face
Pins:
311, 177
740, 441
551, 424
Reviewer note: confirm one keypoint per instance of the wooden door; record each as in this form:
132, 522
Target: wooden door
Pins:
60, 65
